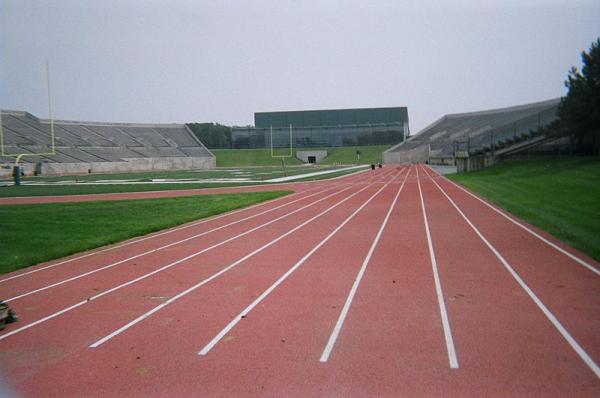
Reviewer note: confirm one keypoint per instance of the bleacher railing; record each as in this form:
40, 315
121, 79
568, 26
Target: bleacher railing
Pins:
506, 134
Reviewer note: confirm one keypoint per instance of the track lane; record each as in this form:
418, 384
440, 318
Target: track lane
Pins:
497, 325
102, 313
84, 264
233, 264
217, 303
98, 286
571, 292
391, 343
545, 237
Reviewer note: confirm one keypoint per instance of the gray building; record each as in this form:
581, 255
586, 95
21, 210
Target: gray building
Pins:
324, 128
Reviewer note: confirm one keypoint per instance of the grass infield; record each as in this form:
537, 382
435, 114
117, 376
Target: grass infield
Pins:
560, 195
335, 155
31, 234
257, 174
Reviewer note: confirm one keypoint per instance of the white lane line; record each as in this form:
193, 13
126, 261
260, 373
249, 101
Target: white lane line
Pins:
540, 237
340, 322
561, 329
438, 287
134, 240
97, 296
217, 274
247, 310
158, 248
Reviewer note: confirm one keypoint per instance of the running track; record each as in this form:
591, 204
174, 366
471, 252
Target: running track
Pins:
392, 282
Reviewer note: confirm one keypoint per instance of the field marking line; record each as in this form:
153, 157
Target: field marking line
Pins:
108, 266
549, 315
316, 173
151, 236
217, 274
97, 296
282, 278
342, 317
438, 286
540, 237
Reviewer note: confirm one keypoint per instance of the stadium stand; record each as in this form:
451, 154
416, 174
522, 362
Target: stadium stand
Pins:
473, 132
87, 147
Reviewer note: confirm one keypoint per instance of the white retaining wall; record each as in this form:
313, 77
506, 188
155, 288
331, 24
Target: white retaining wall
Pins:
131, 165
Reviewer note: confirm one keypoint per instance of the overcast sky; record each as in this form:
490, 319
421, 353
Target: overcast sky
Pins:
221, 61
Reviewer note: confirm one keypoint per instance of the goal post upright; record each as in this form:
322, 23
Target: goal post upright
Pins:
52, 144
18, 156
282, 157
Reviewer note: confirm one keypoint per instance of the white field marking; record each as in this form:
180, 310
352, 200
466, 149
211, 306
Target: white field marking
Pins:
316, 173
340, 322
540, 237
247, 310
159, 248
97, 296
561, 329
217, 274
134, 240
438, 287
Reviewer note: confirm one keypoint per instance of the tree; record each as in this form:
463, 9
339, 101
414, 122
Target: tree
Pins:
579, 111
213, 135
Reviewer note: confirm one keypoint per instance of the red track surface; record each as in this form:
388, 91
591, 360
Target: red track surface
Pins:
391, 341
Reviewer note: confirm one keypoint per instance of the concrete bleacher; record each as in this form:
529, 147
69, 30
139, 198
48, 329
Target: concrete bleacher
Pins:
83, 147
474, 130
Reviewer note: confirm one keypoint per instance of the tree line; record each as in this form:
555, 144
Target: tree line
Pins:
579, 110
212, 135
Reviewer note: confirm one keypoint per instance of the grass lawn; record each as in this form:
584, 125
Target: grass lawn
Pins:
249, 157
560, 195
262, 157
51, 190
31, 234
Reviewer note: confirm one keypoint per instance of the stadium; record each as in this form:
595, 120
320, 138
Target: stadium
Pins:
327, 248
71, 147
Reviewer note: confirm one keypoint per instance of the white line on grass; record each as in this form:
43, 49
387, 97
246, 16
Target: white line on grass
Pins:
159, 248
561, 329
247, 310
340, 322
540, 237
438, 287
217, 274
135, 240
97, 296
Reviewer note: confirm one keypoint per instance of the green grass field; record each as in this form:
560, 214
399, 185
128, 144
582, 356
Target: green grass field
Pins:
560, 195
256, 174
262, 157
31, 234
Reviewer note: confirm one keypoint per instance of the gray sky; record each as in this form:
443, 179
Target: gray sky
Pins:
180, 61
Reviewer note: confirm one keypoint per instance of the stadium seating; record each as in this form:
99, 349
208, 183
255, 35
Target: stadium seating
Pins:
476, 131
88, 143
